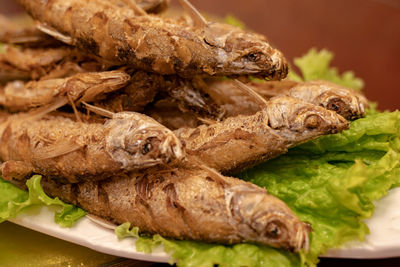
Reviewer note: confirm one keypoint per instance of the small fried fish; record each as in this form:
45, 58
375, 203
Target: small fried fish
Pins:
189, 204
72, 151
243, 141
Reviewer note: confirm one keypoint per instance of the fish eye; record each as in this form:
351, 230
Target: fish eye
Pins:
207, 42
312, 121
275, 230
336, 105
253, 57
146, 148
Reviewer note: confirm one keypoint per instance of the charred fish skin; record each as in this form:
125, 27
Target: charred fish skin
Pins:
189, 204
240, 142
158, 45
72, 151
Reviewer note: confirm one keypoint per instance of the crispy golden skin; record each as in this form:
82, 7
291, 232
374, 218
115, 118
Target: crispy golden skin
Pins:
346, 102
191, 204
20, 96
72, 151
156, 44
243, 141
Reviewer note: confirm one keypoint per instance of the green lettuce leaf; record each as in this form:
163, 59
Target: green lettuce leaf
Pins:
315, 65
232, 20
14, 201
124, 230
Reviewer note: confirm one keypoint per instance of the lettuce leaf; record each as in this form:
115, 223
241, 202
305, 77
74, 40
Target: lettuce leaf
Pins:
315, 65
14, 201
232, 20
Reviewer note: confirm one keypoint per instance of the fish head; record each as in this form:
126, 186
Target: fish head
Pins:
242, 53
137, 141
346, 102
268, 220
299, 121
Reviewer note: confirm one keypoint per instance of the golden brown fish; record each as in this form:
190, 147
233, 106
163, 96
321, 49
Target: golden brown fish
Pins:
189, 204
243, 141
346, 102
72, 151
156, 44
20, 96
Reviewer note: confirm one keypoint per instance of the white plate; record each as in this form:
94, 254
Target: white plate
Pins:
384, 240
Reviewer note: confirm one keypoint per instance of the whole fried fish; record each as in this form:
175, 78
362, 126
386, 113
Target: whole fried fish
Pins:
20, 96
72, 151
189, 204
243, 141
30, 36
156, 44
346, 102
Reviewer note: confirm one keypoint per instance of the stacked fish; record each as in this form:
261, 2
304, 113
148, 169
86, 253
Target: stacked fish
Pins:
125, 114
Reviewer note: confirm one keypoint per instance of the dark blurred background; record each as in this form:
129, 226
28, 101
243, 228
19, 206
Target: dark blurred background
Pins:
363, 34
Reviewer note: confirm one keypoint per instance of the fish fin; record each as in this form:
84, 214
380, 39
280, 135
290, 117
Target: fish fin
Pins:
100, 221
250, 91
91, 93
15, 170
99, 111
206, 121
42, 111
198, 19
56, 150
212, 171
76, 112
54, 33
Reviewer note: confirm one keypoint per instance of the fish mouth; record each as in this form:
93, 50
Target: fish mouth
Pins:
172, 148
349, 109
302, 238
